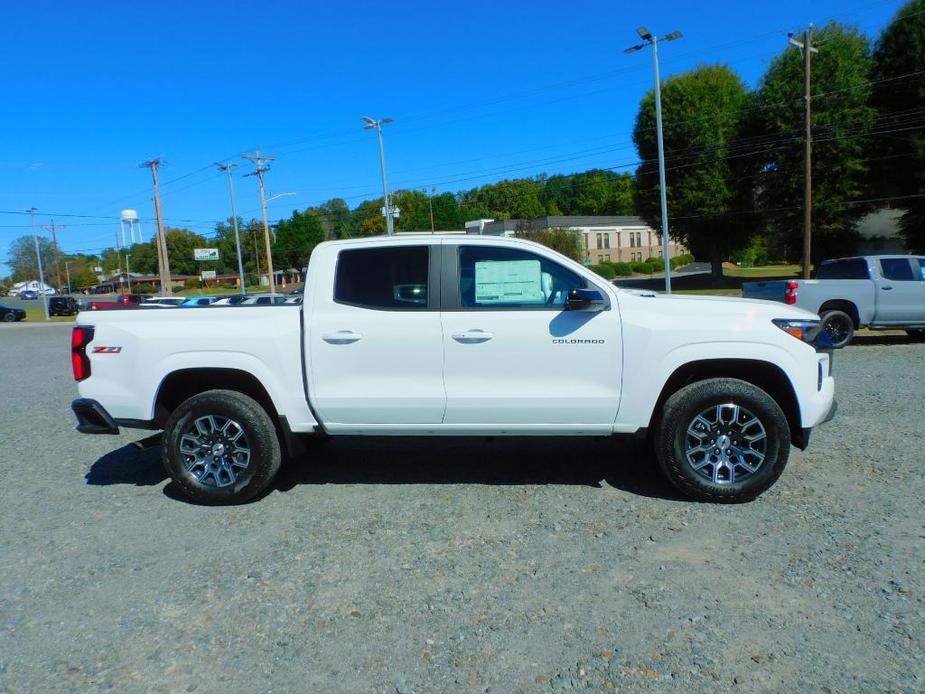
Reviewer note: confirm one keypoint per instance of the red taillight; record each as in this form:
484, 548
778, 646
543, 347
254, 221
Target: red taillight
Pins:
790, 296
81, 336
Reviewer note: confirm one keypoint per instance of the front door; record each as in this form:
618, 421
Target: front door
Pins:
375, 352
516, 360
900, 292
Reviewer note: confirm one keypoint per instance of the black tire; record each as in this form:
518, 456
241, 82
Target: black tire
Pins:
840, 327
9, 317
916, 334
680, 412
261, 440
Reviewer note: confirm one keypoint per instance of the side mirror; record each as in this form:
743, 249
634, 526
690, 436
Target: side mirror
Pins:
584, 300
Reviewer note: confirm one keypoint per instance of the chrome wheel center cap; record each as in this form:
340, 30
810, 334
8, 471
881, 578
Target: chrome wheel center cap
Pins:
722, 441
218, 449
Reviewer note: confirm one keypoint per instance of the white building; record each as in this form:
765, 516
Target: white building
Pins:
32, 286
617, 239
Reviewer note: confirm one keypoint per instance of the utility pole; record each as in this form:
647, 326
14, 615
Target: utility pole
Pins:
386, 200
163, 262
38, 257
649, 39
54, 239
262, 166
227, 168
430, 204
128, 272
806, 47
68, 271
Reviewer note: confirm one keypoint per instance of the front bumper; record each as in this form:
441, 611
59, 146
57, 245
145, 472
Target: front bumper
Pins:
92, 418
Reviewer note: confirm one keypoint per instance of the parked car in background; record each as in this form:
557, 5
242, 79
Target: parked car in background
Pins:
199, 301
264, 299
121, 301
63, 306
877, 291
231, 300
293, 299
28, 294
9, 314
163, 301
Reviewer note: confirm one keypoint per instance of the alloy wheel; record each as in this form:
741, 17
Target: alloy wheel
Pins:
215, 450
725, 443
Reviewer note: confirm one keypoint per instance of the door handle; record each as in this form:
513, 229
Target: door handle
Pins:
886, 289
341, 337
473, 337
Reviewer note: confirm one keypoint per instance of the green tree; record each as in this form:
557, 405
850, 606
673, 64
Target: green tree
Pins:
898, 166
296, 238
701, 111
23, 262
565, 241
594, 192
842, 117
517, 198
335, 218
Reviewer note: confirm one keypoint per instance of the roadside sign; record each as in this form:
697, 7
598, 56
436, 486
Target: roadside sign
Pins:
208, 274
205, 254
587, 262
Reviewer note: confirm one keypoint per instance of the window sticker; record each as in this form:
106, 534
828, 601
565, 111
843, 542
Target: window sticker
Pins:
508, 282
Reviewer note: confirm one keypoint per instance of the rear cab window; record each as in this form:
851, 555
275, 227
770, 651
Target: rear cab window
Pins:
384, 279
851, 269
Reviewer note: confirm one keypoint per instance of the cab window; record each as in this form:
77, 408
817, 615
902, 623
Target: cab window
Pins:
897, 269
387, 279
496, 277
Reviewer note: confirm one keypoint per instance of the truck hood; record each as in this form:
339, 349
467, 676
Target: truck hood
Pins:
722, 305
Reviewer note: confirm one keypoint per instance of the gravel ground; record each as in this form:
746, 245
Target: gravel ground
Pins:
435, 566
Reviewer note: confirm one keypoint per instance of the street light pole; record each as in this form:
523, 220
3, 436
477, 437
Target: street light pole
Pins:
227, 168
386, 201
38, 257
651, 40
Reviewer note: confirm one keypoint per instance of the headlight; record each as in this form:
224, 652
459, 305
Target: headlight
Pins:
805, 330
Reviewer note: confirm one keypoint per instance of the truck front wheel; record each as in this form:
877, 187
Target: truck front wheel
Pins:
722, 440
220, 447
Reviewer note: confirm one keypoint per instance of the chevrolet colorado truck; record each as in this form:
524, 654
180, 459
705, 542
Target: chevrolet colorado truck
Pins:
456, 335
877, 291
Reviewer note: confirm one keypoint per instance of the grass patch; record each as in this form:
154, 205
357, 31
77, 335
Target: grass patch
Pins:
729, 285
765, 271
36, 314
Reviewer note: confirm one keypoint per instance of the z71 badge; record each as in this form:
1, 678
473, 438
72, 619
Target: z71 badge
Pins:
106, 350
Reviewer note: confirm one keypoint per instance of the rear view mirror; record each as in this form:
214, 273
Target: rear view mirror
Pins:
585, 300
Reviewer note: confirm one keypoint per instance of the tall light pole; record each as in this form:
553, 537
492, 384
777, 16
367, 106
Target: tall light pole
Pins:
650, 40
227, 168
263, 165
386, 201
807, 48
38, 257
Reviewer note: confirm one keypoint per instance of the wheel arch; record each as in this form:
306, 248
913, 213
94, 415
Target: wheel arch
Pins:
765, 375
182, 384
842, 305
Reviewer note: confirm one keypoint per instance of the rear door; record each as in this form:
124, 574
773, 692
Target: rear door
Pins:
375, 354
516, 360
900, 292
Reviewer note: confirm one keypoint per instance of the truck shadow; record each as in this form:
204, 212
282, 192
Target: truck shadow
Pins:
877, 340
623, 465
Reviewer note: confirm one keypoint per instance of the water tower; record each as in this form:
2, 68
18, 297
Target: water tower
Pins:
130, 217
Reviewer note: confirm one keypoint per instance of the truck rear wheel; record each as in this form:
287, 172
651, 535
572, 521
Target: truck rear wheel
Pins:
839, 326
722, 440
916, 334
220, 447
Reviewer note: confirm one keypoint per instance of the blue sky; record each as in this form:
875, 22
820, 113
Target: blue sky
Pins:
479, 91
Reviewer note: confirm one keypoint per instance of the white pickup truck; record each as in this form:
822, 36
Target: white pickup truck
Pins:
455, 335
878, 291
